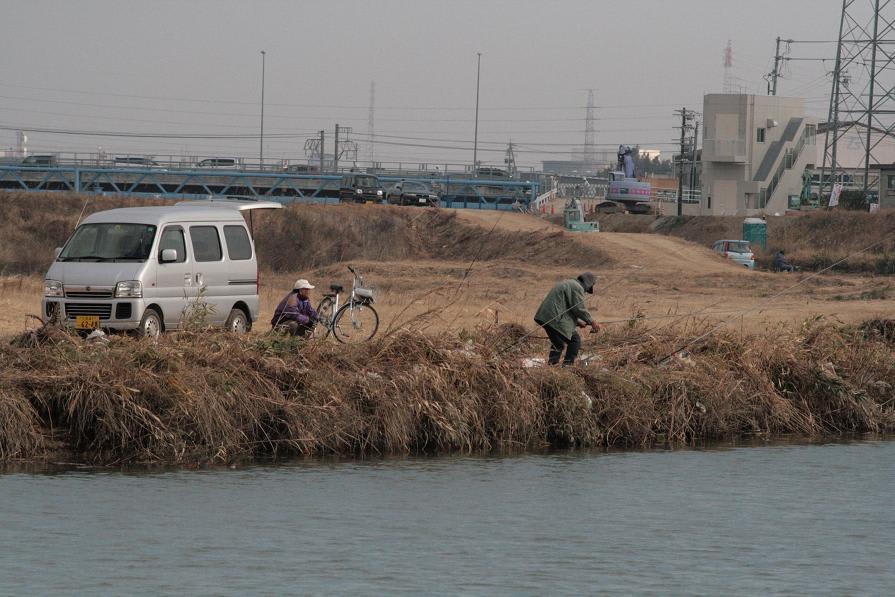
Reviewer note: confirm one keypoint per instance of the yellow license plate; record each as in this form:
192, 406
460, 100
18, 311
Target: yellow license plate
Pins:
87, 322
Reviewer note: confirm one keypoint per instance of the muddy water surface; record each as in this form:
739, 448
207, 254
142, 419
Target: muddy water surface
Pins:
794, 519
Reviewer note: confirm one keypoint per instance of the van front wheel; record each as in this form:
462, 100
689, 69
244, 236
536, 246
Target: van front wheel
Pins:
237, 322
150, 325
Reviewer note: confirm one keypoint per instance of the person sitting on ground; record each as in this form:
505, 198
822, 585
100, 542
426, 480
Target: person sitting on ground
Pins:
781, 264
561, 311
295, 315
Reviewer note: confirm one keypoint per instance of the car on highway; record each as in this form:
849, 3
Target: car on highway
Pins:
412, 192
135, 161
361, 188
738, 251
40, 160
488, 172
220, 163
302, 169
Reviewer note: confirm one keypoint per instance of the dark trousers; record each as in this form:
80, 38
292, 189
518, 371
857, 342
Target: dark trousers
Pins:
558, 343
293, 328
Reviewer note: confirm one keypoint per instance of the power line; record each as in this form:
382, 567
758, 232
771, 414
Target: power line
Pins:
326, 106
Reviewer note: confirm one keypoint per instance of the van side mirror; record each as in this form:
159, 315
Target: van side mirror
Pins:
169, 255
56, 253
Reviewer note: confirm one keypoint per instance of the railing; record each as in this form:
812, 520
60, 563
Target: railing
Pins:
789, 160
459, 190
303, 166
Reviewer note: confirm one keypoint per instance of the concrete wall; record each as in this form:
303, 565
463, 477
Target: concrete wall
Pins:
733, 151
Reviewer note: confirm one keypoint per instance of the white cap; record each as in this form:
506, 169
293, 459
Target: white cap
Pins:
302, 283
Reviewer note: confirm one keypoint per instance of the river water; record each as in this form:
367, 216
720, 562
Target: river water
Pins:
785, 519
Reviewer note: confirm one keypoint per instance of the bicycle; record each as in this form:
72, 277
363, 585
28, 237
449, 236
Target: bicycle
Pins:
354, 321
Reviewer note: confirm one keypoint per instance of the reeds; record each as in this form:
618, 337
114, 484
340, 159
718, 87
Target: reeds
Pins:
198, 397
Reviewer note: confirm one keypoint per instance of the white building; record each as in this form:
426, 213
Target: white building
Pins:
754, 153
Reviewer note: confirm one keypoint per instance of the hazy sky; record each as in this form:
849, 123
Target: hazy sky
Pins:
194, 68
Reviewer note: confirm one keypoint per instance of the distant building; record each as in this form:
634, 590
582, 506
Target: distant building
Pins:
755, 151
886, 189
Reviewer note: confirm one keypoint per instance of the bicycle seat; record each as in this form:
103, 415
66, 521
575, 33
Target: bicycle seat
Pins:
337, 288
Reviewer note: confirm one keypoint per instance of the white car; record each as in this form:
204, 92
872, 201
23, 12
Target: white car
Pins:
139, 268
740, 251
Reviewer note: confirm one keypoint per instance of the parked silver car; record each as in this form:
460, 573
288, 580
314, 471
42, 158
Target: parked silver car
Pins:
739, 251
142, 268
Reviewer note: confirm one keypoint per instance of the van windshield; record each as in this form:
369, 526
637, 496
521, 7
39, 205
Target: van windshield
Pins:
366, 181
109, 242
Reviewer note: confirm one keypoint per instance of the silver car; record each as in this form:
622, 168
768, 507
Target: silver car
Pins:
739, 251
143, 268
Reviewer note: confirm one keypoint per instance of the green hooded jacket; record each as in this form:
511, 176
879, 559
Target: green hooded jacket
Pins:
562, 307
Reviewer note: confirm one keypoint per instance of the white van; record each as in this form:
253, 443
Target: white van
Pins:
144, 268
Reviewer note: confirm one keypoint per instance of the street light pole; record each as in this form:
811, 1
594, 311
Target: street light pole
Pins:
261, 149
475, 144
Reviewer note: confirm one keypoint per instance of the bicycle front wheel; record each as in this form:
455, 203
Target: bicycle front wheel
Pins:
324, 318
355, 322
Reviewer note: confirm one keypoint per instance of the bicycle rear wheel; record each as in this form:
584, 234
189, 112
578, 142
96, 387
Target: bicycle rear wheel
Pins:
355, 323
324, 318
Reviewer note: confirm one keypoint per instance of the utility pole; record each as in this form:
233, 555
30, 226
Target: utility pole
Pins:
336, 152
475, 143
322, 161
261, 149
772, 80
371, 129
693, 158
686, 117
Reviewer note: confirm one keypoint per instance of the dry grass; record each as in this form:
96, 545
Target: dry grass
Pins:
303, 237
198, 398
811, 240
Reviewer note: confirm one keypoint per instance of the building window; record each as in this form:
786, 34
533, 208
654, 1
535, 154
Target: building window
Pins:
759, 137
890, 182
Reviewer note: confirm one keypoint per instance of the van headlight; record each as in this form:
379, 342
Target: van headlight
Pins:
379, 192
360, 191
53, 288
129, 289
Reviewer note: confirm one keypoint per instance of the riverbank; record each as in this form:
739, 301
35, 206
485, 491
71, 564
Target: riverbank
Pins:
849, 241
202, 397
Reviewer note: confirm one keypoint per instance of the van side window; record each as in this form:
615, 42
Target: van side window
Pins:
238, 245
172, 238
206, 243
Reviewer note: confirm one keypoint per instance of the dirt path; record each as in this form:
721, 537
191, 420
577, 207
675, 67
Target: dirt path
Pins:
662, 277
660, 254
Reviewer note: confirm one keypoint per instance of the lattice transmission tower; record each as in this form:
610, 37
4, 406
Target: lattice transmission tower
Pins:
728, 69
590, 133
862, 95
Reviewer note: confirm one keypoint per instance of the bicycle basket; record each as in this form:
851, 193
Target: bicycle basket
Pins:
364, 294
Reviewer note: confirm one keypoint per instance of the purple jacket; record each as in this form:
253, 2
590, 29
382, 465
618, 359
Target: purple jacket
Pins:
293, 308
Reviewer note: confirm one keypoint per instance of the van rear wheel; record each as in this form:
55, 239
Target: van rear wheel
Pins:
237, 322
150, 324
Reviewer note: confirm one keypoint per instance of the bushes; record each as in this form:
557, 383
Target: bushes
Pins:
299, 237
218, 398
